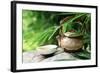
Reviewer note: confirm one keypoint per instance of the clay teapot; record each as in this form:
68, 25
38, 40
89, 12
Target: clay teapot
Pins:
70, 41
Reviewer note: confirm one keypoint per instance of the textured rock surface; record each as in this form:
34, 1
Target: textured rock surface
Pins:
40, 55
60, 57
29, 57
59, 50
37, 58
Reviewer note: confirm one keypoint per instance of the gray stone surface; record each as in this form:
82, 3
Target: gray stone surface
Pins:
59, 50
37, 58
29, 57
60, 57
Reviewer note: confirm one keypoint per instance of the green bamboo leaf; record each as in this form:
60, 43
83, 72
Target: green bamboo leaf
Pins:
82, 55
56, 29
67, 25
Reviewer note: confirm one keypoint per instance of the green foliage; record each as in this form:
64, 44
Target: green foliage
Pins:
82, 55
42, 27
37, 27
67, 25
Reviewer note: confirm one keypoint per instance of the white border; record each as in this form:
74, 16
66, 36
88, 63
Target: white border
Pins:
21, 65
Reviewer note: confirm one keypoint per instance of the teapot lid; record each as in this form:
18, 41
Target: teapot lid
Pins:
73, 34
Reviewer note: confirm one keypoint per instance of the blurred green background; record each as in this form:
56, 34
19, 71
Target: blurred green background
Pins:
35, 24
